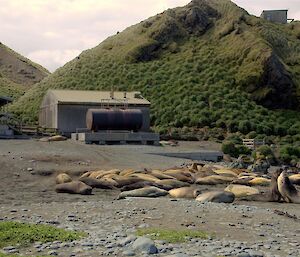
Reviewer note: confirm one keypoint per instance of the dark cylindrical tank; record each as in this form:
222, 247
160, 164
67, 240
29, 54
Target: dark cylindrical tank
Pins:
111, 119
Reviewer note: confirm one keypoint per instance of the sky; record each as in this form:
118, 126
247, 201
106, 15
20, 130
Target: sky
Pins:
53, 32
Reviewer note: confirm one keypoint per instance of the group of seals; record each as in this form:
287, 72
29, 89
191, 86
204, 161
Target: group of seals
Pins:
185, 183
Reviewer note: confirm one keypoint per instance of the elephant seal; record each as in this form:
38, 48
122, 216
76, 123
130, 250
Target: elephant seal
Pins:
171, 183
185, 192
275, 195
124, 181
75, 187
63, 178
143, 184
143, 192
214, 180
97, 183
295, 179
288, 191
242, 191
216, 197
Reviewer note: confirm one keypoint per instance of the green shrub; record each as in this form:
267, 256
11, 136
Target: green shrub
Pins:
229, 148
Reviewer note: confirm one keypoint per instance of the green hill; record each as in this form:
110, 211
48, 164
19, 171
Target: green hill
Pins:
17, 73
209, 63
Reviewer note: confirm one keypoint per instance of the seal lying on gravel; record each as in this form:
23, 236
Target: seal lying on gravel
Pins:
288, 191
143, 192
142, 184
216, 197
97, 183
185, 192
63, 178
75, 187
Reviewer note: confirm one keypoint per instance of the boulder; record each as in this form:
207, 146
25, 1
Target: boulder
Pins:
241, 190
144, 245
216, 197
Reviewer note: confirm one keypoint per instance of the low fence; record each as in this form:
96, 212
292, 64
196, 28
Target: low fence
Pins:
36, 130
253, 143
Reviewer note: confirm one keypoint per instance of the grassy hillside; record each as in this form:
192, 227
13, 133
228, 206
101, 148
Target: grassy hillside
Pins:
17, 73
206, 64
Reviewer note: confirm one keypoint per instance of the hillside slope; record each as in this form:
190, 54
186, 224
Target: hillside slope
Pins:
17, 73
209, 63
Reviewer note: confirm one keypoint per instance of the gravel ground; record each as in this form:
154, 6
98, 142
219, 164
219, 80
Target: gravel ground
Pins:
27, 176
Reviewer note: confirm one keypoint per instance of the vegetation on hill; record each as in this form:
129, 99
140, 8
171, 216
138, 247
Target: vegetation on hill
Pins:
17, 73
206, 65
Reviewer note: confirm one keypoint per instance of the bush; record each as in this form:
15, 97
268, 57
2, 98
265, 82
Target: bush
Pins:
288, 153
236, 139
265, 150
229, 148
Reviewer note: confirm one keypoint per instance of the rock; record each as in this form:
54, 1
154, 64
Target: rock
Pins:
216, 197
260, 166
128, 253
63, 178
242, 162
127, 241
241, 190
144, 245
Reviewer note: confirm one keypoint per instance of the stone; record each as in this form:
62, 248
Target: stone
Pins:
144, 245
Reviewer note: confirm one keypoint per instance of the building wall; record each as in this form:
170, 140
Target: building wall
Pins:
48, 112
275, 16
72, 117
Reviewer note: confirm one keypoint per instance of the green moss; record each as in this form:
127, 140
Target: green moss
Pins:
15, 233
172, 236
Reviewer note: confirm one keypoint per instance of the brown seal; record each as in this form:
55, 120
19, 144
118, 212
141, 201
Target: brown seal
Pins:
97, 183
75, 187
287, 190
185, 192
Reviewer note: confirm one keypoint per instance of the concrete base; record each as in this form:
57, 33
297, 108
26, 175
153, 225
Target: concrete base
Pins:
6, 132
213, 156
117, 137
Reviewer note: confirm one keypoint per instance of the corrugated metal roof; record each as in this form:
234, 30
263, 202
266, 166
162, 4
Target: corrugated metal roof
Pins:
98, 97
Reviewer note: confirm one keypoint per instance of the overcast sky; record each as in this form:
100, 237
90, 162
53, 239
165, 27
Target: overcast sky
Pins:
52, 32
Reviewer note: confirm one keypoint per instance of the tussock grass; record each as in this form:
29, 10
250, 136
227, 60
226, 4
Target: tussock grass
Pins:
193, 81
15, 233
172, 236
